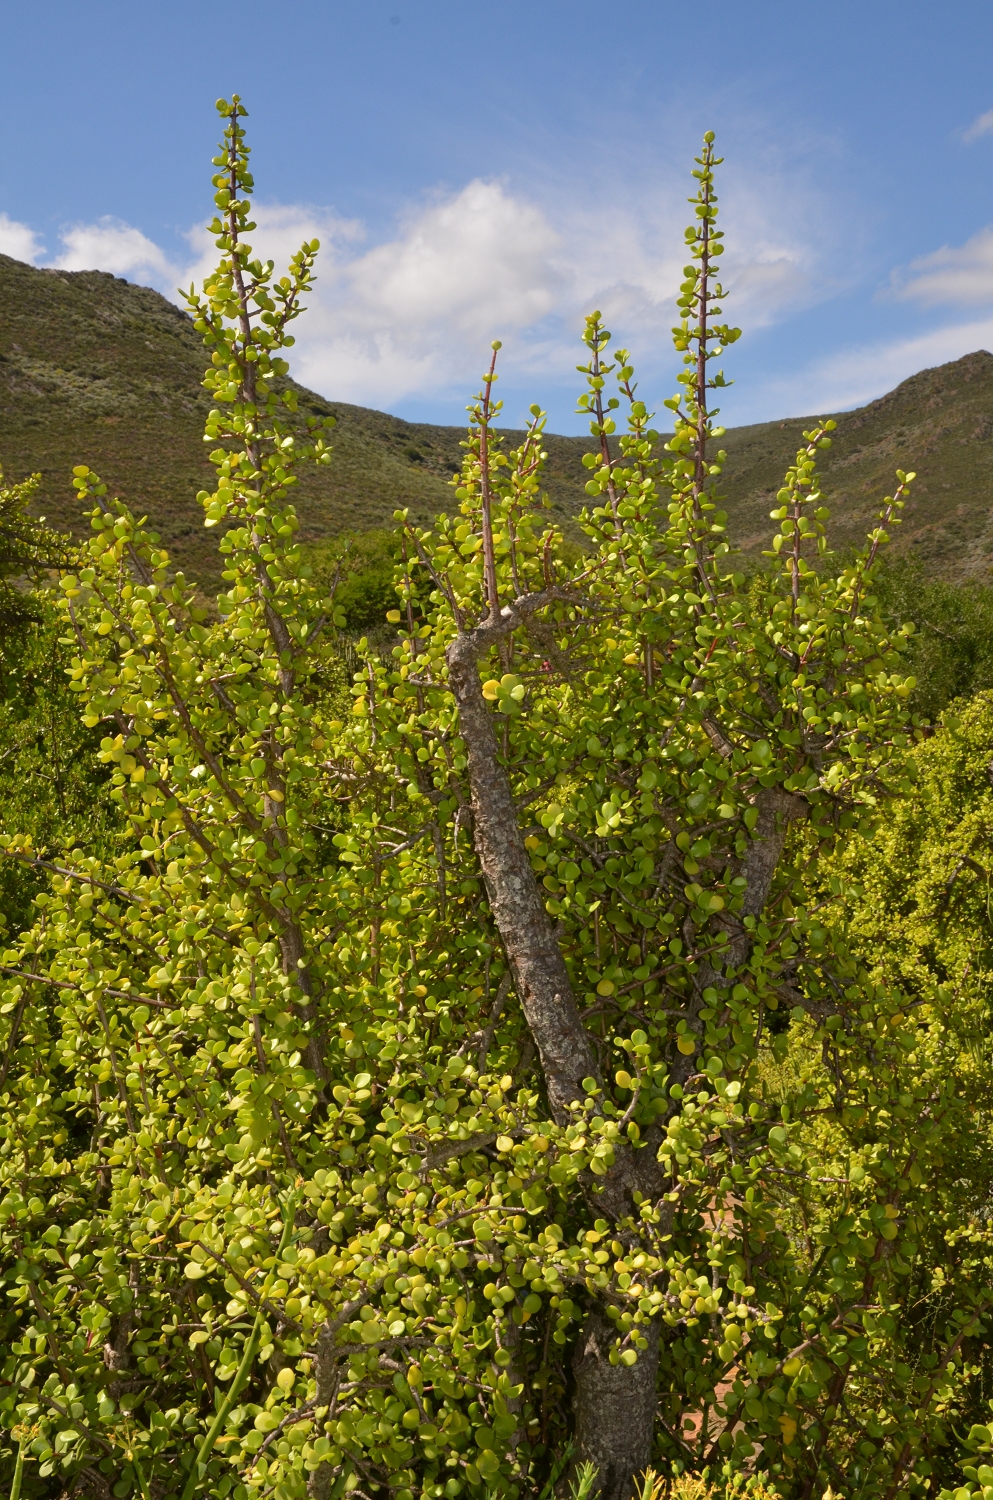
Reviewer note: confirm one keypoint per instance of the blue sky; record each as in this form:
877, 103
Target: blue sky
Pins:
477, 172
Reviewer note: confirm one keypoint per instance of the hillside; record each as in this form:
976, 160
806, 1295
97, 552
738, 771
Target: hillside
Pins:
95, 370
938, 423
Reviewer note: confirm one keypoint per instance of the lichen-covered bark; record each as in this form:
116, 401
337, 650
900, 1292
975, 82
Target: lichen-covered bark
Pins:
327, 1374
615, 1406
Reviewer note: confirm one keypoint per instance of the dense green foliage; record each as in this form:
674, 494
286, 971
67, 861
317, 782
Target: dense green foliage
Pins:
47, 783
952, 649
51, 789
918, 907
284, 1203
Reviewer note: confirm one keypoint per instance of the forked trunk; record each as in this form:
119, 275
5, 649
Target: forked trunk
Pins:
541, 978
615, 1404
614, 1407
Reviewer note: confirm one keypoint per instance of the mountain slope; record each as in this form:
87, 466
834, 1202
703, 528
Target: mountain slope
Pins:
938, 423
95, 370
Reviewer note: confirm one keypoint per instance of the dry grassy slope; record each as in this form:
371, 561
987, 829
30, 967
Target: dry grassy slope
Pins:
939, 423
94, 370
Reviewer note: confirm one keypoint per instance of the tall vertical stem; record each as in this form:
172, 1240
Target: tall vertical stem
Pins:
700, 475
15, 1488
605, 457
489, 554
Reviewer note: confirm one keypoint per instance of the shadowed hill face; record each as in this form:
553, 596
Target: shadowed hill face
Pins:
95, 370
938, 423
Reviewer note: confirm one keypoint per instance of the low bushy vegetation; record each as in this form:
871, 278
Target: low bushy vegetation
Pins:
485, 1014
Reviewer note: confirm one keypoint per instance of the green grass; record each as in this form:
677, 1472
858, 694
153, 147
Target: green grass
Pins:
94, 370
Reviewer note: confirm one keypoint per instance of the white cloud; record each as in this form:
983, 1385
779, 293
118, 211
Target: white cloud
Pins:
413, 316
781, 244
111, 245
982, 125
483, 262
418, 312
19, 240
853, 376
952, 274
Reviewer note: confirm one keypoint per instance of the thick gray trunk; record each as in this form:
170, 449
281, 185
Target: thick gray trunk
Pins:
615, 1407
541, 978
540, 975
615, 1404
326, 1372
